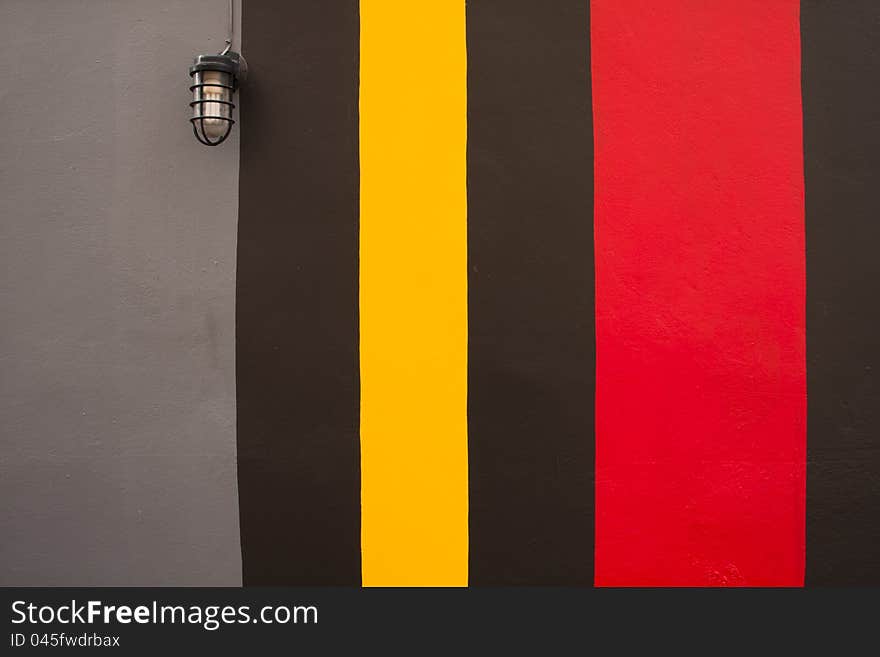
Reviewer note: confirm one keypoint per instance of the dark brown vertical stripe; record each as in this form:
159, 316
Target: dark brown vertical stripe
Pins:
841, 96
297, 295
531, 290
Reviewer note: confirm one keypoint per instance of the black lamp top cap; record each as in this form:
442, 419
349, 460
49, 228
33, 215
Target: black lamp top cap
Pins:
229, 63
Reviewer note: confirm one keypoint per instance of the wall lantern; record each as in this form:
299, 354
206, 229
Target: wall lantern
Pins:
215, 80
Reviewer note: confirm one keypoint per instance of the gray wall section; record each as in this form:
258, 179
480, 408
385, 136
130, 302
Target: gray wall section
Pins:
117, 248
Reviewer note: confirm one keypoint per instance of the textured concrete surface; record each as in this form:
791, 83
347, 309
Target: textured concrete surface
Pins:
117, 248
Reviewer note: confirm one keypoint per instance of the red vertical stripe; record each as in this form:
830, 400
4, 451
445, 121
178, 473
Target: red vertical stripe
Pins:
701, 382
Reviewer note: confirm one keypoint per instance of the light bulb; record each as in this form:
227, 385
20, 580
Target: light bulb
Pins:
213, 115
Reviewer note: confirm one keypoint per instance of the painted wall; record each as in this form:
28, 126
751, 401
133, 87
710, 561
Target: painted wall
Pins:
117, 244
526, 293
575, 292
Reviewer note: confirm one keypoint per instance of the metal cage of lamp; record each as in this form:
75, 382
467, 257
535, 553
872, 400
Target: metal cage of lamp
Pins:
215, 80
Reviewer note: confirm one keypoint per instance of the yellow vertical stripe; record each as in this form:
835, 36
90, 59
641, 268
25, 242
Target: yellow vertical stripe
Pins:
413, 293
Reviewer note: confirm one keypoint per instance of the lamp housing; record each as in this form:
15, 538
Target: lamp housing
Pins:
215, 80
